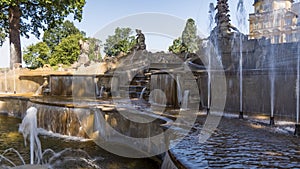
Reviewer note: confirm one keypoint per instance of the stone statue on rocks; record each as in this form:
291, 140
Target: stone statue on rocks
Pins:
140, 40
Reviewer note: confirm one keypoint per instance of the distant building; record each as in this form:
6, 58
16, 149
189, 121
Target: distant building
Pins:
276, 20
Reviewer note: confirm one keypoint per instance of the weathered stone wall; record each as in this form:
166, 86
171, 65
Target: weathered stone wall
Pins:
15, 82
257, 92
14, 106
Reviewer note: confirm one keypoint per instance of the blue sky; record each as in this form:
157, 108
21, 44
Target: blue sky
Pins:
99, 15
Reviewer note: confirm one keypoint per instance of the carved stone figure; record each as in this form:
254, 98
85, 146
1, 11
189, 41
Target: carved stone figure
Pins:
140, 40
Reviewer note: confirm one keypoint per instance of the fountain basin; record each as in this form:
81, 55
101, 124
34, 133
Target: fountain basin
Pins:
30, 167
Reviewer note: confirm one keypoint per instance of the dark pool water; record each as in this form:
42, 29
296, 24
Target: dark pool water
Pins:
10, 138
239, 144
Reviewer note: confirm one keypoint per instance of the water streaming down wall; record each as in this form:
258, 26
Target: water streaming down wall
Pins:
168, 86
185, 100
143, 92
168, 163
60, 119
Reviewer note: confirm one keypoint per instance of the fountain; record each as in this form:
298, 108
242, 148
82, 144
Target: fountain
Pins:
185, 100
241, 18
143, 92
210, 47
297, 125
75, 108
29, 129
101, 91
40, 90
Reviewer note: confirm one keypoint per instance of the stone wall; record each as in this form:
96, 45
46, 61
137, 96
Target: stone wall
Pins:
257, 92
16, 82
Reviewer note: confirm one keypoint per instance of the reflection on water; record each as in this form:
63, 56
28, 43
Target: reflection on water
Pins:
10, 138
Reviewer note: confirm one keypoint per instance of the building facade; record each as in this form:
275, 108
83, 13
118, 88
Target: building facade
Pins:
276, 20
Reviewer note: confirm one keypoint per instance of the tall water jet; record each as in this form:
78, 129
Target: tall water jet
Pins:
241, 18
210, 28
211, 16
28, 128
277, 17
272, 83
297, 125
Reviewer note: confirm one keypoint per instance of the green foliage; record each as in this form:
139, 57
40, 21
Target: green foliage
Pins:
39, 15
177, 47
189, 36
189, 41
121, 41
67, 51
64, 38
94, 49
24, 17
37, 55
52, 37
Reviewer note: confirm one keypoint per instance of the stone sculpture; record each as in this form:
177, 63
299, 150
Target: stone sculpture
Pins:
140, 40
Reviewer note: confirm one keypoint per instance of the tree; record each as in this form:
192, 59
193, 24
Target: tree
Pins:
20, 17
67, 51
121, 41
54, 36
37, 55
94, 49
189, 41
177, 47
189, 36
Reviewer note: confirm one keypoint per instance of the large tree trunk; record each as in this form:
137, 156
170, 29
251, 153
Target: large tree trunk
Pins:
14, 35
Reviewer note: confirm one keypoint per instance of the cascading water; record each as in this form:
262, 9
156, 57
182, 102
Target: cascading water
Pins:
29, 128
168, 163
185, 100
179, 92
241, 18
96, 88
39, 91
143, 92
101, 91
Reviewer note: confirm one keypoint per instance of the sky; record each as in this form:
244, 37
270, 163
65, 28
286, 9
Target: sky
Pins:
160, 20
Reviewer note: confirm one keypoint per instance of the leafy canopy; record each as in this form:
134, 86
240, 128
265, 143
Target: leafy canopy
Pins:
38, 15
121, 41
37, 55
67, 51
189, 41
177, 47
52, 37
